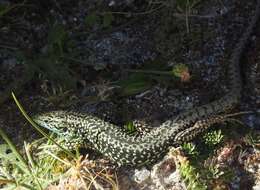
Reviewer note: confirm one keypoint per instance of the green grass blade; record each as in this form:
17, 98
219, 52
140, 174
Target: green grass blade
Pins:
13, 148
18, 155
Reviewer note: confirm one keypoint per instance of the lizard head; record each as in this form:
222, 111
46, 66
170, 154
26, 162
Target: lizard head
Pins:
55, 121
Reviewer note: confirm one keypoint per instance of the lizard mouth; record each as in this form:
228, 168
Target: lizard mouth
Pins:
45, 125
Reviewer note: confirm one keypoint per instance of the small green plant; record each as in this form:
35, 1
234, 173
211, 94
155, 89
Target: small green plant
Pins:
191, 176
142, 79
190, 149
44, 165
253, 139
134, 84
130, 128
30, 171
213, 138
177, 71
56, 39
181, 71
51, 63
214, 171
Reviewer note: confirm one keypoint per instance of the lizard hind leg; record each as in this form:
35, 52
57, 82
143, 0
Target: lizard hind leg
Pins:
199, 127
